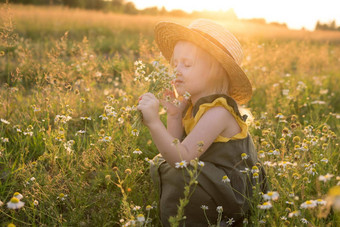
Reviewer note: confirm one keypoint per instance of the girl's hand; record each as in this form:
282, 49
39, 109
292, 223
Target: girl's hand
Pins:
172, 109
149, 106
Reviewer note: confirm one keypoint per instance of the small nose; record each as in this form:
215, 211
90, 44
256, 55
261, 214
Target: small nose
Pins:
178, 71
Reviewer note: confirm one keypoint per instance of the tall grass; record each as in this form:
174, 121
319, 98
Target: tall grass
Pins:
67, 98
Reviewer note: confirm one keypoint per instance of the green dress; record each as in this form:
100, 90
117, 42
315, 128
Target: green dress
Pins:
220, 159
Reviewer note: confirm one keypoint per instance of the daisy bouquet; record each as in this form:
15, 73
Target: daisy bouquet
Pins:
157, 81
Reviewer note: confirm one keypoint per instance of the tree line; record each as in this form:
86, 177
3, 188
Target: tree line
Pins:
331, 26
120, 6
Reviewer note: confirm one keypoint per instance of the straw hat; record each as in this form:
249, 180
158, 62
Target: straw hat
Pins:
214, 39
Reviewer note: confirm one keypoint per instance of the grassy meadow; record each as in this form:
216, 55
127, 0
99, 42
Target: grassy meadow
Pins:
70, 156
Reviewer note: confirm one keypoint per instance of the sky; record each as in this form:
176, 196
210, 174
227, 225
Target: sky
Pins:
295, 13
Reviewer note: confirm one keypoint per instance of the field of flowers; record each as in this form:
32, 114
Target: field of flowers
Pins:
70, 154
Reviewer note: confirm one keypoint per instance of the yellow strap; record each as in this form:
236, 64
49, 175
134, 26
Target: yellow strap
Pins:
189, 122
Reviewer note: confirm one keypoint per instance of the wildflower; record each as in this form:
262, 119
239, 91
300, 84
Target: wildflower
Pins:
103, 117
294, 214
120, 120
285, 92
204, 207
321, 202
296, 176
17, 195
318, 102
35, 109
245, 170
149, 161
256, 175
324, 146
32, 179
135, 132
140, 218
261, 154
293, 126
325, 178
11, 225
244, 156
187, 95
265, 144
279, 115
148, 207
137, 151
257, 125
254, 169
86, 118
297, 155
4, 121
128, 171
308, 204
296, 139
304, 221
265, 206
4, 140
312, 171
225, 179
271, 195
80, 132
200, 163
181, 164
314, 141
200, 145
15, 203
245, 221
106, 139
282, 140
175, 142
290, 203
276, 152
219, 209
62, 196
98, 74
284, 163
35, 203
230, 221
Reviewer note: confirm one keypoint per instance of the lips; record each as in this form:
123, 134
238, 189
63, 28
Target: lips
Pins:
178, 81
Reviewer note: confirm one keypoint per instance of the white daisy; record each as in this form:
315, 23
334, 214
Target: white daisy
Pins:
15, 203
181, 164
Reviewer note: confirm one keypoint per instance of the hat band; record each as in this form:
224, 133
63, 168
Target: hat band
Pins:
214, 41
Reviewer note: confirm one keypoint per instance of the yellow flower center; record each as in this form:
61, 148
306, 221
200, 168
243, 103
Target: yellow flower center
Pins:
14, 200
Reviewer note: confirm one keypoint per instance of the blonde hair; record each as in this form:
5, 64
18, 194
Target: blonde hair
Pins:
218, 76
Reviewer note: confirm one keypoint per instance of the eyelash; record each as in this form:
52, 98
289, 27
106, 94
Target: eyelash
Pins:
185, 65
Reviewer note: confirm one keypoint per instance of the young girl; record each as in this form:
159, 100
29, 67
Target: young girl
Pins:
209, 126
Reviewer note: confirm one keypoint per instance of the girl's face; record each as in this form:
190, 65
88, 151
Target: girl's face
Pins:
192, 70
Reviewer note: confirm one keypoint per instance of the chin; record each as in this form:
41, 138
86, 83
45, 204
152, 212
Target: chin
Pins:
180, 91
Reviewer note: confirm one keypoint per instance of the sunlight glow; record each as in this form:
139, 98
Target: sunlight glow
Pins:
296, 14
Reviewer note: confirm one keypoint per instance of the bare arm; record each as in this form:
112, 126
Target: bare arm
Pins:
213, 123
175, 126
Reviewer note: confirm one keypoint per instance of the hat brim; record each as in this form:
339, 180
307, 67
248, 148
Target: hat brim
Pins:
167, 34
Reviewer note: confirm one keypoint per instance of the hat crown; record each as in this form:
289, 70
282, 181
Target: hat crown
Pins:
221, 35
